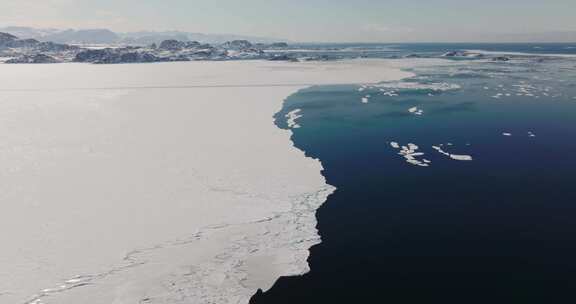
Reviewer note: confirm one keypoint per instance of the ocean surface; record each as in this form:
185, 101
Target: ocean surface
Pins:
454, 186
425, 50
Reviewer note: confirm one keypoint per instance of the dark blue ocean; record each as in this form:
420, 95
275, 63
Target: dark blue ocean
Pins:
455, 186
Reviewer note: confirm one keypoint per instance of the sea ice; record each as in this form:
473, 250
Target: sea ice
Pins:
410, 154
104, 207
453, 156
416, 111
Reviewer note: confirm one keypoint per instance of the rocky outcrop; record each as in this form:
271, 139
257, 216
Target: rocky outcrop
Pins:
279, 45
8, 41
463, 54
111, 56
6, 38
34, 51
11, 41
238, 45
38, 58
501, 58
175, 45
172, 45
283, 57
55, 47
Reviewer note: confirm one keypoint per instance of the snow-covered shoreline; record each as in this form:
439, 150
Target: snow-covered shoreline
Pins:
164, 183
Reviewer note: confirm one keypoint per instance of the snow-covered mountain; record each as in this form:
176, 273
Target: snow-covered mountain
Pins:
105, 36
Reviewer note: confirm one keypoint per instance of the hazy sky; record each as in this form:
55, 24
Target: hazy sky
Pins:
304, 20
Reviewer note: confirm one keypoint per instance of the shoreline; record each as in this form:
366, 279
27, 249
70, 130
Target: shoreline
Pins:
138, 157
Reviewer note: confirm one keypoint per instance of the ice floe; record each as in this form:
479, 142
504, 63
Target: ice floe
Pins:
462, 157
416, 111
291, 118
389, 93
366, 99
507, 134
410, 154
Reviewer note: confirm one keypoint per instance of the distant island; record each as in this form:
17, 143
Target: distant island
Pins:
16, 50
30, 50
109, 37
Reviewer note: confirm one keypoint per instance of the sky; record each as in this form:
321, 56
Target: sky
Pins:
305, 20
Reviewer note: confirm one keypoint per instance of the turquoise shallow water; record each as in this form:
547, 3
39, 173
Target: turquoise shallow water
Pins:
405, 227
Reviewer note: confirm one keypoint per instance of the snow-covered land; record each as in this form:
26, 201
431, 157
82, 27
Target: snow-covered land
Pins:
163, 183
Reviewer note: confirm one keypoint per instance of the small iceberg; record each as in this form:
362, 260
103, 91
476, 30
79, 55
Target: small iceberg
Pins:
416, 111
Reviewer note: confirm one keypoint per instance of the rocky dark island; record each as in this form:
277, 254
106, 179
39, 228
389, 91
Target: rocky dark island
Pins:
34, 51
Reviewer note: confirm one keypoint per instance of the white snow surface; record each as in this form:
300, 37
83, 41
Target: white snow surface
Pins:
158, 183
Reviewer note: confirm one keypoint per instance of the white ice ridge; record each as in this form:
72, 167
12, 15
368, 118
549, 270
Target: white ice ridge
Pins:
291, 118
398, 85
463, 157
410, 154
157, 184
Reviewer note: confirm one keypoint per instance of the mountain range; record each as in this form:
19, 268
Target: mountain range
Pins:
106, 36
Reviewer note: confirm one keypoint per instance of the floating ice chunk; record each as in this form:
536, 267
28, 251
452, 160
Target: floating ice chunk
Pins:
390, 93
507, 134
365, 99
409, 153
439, 149
291, 118
531, 134
416, 111
461, 157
